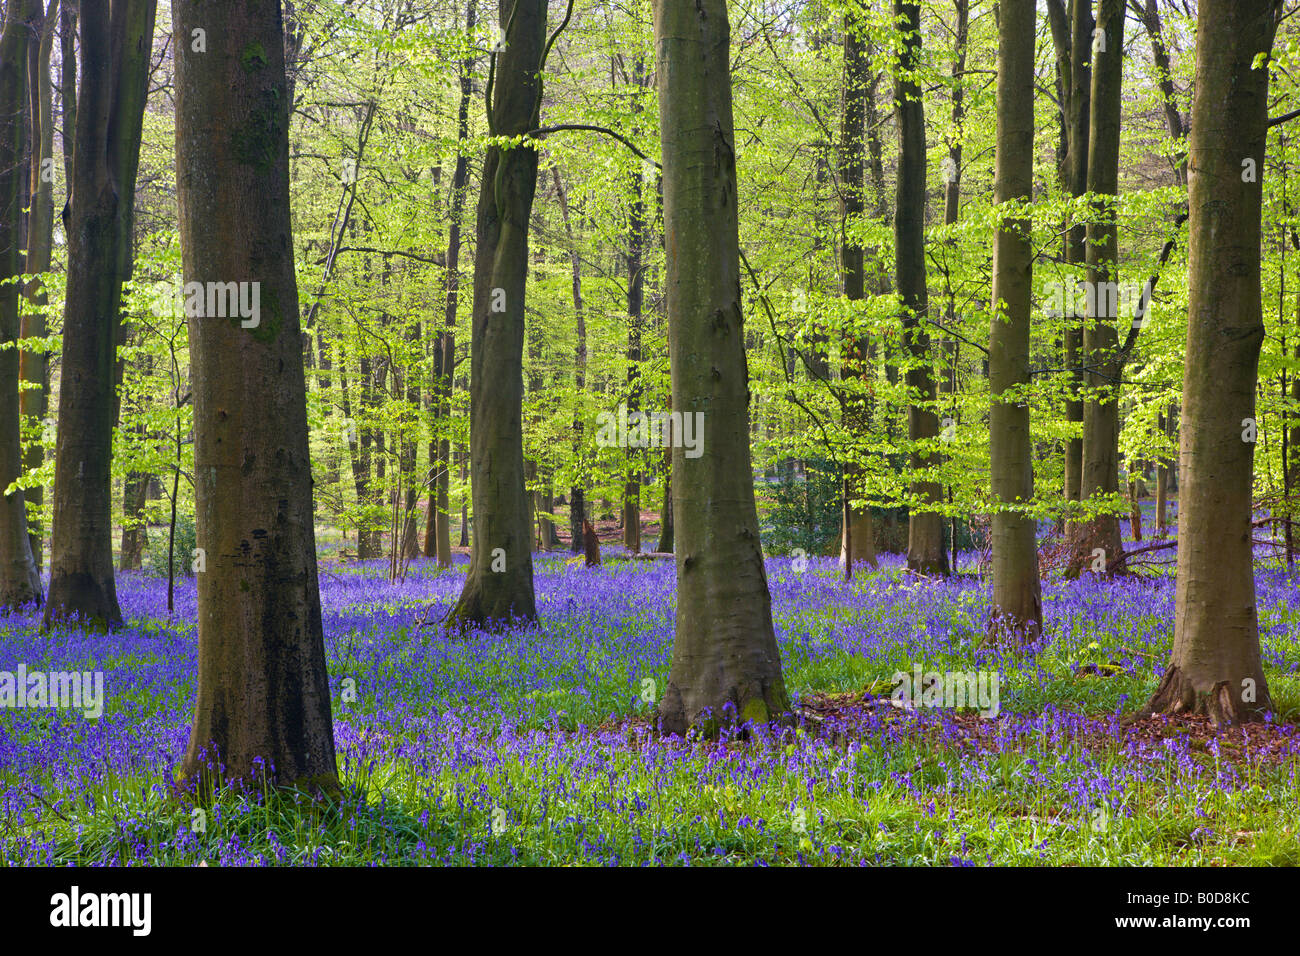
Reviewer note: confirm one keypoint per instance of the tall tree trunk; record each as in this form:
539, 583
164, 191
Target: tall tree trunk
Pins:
1073, 34
20, 582
116, 49
1149, 13
667, 534
361, 454
407, 455
1215, 667
68, 15
440, 504
263, 697
857, 542
880, 282
577, 500
135, 532
1017, 598
1134, 508
1100, 532
499, 586
1293, 436
1162, 484
463, 541
546, 516
926, 552
951, 213
1083, 27
33, 368
635, 310
726, 666
135, 496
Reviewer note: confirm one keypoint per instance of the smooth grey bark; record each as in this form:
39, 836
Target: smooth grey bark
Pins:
20, 583
498, 589
1215, 668
726, 667
635, 309
577, 502
1100, 475
445, 357
33, 366
116, 47
857, 540
1149, 13
926, 552
1072, 32
262, 710
1017, 598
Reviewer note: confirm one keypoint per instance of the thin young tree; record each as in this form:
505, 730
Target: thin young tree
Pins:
116, 49
263, 704
1017, 597
726, 666
1215, 668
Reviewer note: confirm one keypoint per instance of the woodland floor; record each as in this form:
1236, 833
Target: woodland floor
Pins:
535, 746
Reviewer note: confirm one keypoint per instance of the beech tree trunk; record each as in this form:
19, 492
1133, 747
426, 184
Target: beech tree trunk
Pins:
263, 700
33, 367
1017, 597
1215, 668
667, 536
499, 586
116, 48
20, 582
1162, 483
68, 15
1100, 338
577, 500
1293, 479
1073, 35
950, 348
726, 667
635, 310
461, 456
440, 500
1134, 511
135, 532
857, 541
926, 552
1150, 16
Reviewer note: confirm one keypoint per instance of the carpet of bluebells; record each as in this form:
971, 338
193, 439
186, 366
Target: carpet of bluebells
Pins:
534, 746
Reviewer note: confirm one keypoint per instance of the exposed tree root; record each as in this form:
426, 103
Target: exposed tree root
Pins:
1178, 695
